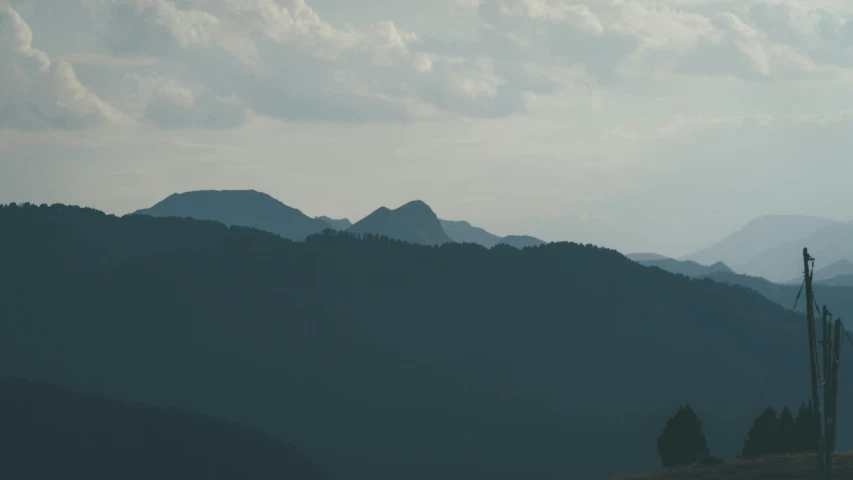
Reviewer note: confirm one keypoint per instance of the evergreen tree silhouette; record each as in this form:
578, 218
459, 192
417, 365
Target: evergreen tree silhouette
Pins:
682, 443
764, 436
787, 432
804, 429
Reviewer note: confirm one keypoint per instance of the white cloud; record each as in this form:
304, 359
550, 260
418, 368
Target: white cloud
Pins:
37, 93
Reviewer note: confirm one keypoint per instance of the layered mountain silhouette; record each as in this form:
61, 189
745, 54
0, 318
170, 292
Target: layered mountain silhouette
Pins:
841, 268
340, 224
521, 241
828, 245
464, 232
645, 257
759, 235
414, 222
839, 298
245, 208
453, 362
51, 432
685, 267
839, 281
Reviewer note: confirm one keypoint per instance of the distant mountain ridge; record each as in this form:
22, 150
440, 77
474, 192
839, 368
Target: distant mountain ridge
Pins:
685, 267
245, 208
645, 257
757, 236
464, 232
521, 241
828, 245
414, 222
337, 224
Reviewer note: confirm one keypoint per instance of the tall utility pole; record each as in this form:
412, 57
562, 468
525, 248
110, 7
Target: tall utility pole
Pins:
831, 345
813, 367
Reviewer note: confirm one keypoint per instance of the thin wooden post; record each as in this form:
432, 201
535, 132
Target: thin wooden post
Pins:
813, 366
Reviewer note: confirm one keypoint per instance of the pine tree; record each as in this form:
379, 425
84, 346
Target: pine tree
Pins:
682, 443
805, 429
787, 432
764, 436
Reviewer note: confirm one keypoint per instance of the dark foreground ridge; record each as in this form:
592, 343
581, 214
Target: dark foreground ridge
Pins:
50, 432
386, 360
782, 467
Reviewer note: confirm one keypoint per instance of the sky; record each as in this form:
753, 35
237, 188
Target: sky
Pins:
638, 125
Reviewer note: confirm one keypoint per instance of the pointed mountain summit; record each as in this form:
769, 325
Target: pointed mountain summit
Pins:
521, 241
464, 232
414, 222
244, 208
341, 224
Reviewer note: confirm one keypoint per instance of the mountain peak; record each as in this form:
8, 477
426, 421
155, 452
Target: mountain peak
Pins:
245, 208
414, 222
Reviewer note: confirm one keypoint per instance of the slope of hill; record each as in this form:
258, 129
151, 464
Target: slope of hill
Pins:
455, 362
686, 267
839, 299
414, 222
839, 281
246, 208
337, 224
787, 467
780, 264
758, 235
50, 432
520, 241
839, 268
645, 257
464, 232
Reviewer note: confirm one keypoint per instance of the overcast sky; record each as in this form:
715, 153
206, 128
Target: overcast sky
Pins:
638, 125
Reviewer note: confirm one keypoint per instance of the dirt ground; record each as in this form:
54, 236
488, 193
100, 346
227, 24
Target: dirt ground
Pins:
789, 467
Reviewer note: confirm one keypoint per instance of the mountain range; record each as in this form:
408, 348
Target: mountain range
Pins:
414, 222
386, 359
245, 208
771, 246
682, 267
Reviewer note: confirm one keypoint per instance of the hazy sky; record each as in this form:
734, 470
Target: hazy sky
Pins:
639, 125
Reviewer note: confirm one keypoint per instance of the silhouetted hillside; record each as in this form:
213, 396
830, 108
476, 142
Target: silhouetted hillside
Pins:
521, 241
414, 222
464, 232
387, 360
839, 299
757, 236
245, 208
49, 432
341, 224
686, 267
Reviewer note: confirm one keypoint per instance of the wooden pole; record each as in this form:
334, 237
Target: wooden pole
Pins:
813, 367
832, 394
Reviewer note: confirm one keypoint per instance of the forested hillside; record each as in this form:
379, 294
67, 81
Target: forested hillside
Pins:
386, 360
49, 432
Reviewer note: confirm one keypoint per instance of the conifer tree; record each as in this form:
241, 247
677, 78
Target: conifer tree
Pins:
805, 430
682, 443
787, 432
764, 436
